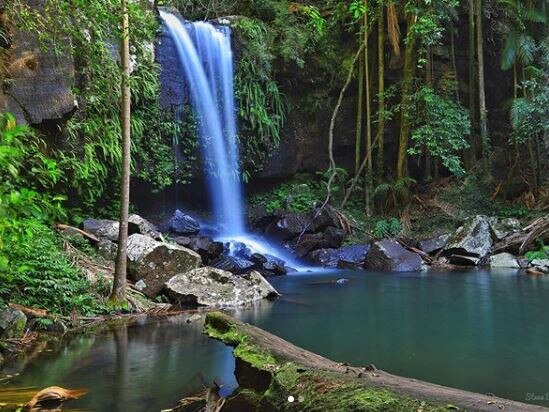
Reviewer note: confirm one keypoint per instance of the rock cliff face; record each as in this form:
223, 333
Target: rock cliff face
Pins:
39, 89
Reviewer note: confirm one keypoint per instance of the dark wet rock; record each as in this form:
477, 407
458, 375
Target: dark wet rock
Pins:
334, 236
274, 266
137, 224
325, 218
289, 226
310, 242
12, 323
352, 256
154, 262
504, 260
389, 255
473, 239
324, 257
206, 247
102, 228
260, 218
434, 244
210, 286
233, 264
183, 224
258, 259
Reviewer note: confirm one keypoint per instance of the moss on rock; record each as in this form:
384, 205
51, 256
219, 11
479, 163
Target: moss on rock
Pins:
271, 381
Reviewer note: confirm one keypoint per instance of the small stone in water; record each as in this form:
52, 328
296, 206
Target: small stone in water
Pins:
342, 281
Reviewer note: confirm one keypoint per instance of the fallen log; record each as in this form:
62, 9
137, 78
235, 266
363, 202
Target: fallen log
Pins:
522, 241
273, 374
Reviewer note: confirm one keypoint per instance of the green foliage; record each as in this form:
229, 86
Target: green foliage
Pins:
541, 253
25, 172
530, 114
299, 195
387, 228
90, 151
40, 274
441, 127
261, 104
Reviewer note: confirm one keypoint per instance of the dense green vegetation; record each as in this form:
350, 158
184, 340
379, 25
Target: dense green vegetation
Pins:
415, 102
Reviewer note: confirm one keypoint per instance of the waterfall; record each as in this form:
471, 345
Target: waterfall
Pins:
207, 60
206, 57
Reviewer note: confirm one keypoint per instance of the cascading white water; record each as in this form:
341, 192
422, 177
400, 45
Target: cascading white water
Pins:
207, 60
206, 57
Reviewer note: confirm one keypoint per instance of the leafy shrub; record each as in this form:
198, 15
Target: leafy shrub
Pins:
442, 127
387, 228
541, 253
40, 274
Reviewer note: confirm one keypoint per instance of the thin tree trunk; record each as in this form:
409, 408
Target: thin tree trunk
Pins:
471, 155
368, 179
118, 295
454, 64
381, 93
358, 138
428, 176
409, 68
481, 88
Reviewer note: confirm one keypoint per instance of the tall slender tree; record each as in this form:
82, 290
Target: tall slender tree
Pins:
483, 114
118, 294
407, 80
369, 169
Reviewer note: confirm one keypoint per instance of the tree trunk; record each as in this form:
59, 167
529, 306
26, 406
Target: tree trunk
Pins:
481, 88
358, 138
428, 176
118, 295
381, 94
471, 155
408, 76
368, 177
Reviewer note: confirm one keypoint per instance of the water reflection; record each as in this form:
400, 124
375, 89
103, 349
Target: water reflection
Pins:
146, 366
485, 332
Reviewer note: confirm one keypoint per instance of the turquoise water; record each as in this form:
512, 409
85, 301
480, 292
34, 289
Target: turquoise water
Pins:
481, 331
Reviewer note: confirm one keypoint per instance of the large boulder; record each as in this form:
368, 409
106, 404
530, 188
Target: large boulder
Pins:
541, 265
289, 226
41, 78
137, 224
504, 227
388, 255
183, 224
102, 228
473, 239
504, 260
327, 258
152, 263
352, 256
12, 323
309, 242
209, 286
433, 245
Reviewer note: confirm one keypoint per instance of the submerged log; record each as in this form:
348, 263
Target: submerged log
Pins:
273, 374
53, 396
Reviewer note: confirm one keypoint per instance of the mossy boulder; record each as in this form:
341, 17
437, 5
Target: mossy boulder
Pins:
12, 323
210, 286
151, 263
